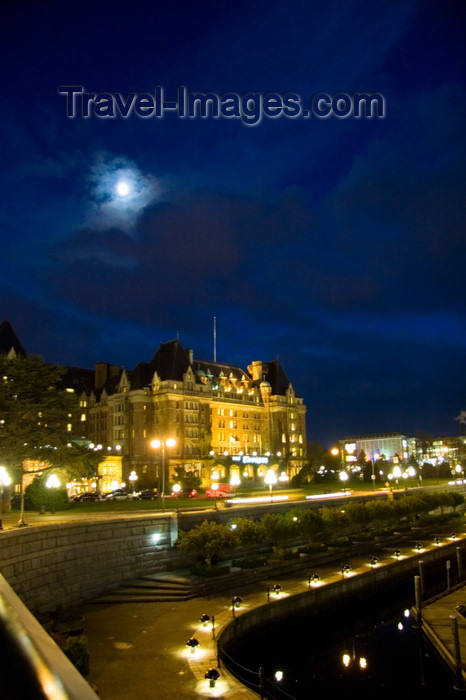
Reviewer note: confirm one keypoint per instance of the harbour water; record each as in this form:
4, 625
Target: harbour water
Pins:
374, 652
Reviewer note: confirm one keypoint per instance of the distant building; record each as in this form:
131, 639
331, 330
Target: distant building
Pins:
398, 447
378, 446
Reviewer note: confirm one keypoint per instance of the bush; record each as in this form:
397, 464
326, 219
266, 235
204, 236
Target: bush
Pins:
250, 562
37, 495
76, 650
339, 542
363, 537
209, 572
314, 548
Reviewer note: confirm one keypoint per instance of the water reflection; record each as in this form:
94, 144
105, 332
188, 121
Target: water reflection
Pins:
377, 652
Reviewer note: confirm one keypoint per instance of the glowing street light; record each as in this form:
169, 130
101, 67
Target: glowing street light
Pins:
343, 476
157, 444
5, 480
133, 477
53, 482
270, 479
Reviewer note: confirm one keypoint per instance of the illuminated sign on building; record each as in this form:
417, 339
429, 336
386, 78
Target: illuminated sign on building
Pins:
249, 459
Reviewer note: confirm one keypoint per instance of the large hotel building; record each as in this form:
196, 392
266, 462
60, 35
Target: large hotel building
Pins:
226, 421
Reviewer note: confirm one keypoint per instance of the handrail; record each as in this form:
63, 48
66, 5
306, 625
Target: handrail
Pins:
31, 664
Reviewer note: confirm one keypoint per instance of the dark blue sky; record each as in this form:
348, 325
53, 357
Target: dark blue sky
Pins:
338, 244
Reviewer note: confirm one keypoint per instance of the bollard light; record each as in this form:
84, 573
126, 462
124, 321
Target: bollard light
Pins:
277, 588
345, 569
192, 643
212, 675
204, 619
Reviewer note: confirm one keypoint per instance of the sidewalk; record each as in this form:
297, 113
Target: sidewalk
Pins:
138, 650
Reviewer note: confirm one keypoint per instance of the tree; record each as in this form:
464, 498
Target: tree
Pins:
208, 539
249, 533
309, 523
189, 480
278, 529
38, 495
36, 414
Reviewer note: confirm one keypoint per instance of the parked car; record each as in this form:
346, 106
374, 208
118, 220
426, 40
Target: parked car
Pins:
86, 497
147, 495
184, 493
117, 495
220, 491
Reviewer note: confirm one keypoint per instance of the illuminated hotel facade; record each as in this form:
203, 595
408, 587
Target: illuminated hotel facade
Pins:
226, 422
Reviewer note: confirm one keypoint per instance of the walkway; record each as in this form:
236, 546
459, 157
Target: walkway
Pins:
138, 650
437, 626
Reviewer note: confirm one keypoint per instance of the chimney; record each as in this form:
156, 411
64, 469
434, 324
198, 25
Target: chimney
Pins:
255, 370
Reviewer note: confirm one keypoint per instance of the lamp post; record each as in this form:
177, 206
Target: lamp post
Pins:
133, 477
53, 482
5, 480
156, 444
270, 479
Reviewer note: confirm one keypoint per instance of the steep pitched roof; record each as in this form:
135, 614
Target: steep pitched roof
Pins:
171, 360
78, 379
277, 378
219, 369
9, 340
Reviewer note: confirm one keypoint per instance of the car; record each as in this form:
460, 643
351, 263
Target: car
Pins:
147, 495
87, 496
184, 493
220, 491
117, 495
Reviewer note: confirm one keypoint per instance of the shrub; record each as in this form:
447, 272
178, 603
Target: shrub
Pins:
339, 542
250, 562
363, 537
209, 571
313, 548
75, 648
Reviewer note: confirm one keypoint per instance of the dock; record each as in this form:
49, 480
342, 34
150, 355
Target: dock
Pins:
443, 622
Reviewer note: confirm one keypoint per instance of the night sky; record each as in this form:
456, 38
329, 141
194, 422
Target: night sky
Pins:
337, 244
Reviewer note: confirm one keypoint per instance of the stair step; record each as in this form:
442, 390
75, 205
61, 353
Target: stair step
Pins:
117, 598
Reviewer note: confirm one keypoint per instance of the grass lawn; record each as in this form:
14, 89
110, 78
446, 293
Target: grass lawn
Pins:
314, 489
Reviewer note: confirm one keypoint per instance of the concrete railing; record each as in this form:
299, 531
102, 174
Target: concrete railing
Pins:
31, 664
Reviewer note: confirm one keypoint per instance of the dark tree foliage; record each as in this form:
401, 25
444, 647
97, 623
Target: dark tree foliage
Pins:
35, 417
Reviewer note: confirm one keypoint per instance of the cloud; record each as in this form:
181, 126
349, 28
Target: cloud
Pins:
119, 193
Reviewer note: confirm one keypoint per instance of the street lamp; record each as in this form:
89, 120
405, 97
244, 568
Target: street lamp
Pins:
270, 479
133, 477
156, 444
53, 482
5, 480
396, 474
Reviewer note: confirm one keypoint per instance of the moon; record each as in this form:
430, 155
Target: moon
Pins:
122, 188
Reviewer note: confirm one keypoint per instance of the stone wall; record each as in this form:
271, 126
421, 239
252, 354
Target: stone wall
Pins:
316, 601
67, 563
